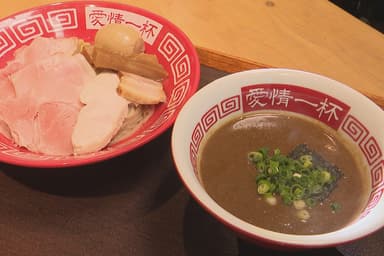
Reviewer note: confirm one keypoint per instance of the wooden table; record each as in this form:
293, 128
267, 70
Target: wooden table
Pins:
132, 206
312, 35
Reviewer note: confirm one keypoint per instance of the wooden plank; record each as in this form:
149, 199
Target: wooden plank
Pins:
315, 36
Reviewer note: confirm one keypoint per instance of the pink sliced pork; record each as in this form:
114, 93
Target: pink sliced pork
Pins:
46, 102
4, 130
6, 87
41, 48
57, 78
20, 114
45, 128
54, 126
102, 116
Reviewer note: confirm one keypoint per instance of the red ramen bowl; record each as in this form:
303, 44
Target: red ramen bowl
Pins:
82, 19
328, 102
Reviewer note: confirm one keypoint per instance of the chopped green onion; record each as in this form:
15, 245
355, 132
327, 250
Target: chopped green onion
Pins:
277, 152
297, 191
306, 160
264, 151
316, 189
297, 181
255, 156
261, 166
335, 207
274, 167
310, 202
325, 176
263, 187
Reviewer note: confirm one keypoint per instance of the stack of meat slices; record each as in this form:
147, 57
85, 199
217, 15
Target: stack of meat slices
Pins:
41, 87
53, 102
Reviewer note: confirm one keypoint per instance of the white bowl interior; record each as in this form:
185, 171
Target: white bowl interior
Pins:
364, 129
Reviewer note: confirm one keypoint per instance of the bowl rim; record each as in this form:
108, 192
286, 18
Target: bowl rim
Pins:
118, 151
311, 241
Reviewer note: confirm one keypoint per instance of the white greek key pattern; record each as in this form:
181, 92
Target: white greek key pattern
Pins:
174, 52
23, 30
181, 69
30, 28
361, 135
178, 94
229, 106
59, 20
170, 47
6, 42
210, 117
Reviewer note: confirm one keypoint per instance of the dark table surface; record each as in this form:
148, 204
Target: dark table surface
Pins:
134, 204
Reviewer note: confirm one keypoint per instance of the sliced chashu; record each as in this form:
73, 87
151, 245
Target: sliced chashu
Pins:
54, 126
57, 78
4, 130
6, 91
101, 117
19, 115
42, 128
140, 90
6, 87
41, 48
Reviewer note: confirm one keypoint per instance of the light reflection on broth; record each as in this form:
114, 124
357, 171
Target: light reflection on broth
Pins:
229, 178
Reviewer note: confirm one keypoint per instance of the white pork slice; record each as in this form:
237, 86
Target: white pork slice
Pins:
54, 126
57, 78
52, 86
41, 48
19, 115
4, 130
6, 91
6, 87
141, 90
102, 116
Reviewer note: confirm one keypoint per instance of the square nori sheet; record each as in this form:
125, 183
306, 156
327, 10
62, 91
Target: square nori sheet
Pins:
318, 161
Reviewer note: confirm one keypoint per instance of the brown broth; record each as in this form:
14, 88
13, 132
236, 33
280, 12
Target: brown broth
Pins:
229, 178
